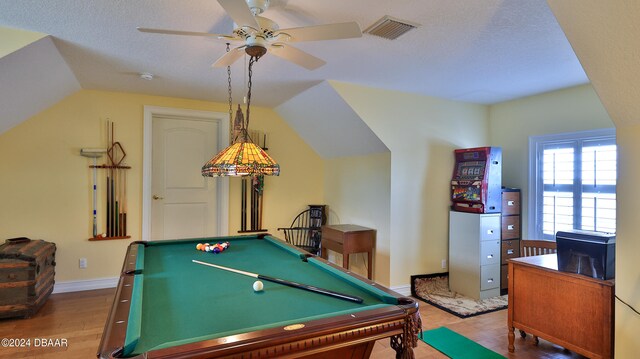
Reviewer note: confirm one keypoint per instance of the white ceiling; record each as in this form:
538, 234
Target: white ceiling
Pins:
482, 51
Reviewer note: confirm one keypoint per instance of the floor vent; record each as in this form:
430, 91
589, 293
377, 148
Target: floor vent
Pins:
390, 28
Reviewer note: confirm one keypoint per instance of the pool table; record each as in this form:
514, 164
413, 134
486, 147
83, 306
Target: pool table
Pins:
166, 306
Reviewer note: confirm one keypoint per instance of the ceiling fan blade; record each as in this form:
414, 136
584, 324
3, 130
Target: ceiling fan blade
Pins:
189, 33
344, 30
296, 56
230, 57
240, 13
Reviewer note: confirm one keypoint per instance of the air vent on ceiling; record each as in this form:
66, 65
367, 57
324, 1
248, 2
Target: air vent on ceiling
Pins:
390, 28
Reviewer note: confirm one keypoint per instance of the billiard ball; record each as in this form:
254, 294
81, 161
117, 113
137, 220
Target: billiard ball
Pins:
258, 286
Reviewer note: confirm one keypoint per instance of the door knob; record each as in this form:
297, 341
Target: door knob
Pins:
157, 198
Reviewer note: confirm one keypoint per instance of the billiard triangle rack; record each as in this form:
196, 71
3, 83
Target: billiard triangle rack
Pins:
115, 191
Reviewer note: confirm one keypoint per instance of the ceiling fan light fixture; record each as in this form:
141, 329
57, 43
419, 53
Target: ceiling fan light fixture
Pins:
146, 76
257, 7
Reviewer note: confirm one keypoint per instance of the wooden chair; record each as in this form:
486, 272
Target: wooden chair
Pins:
536, 247
304, 232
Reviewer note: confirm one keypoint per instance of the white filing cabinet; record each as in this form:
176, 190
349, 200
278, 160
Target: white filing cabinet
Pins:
474, 254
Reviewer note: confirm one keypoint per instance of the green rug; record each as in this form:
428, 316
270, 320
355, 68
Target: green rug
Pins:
456, 346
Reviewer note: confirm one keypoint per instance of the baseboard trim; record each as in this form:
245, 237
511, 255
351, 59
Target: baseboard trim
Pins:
80, 285
403, 289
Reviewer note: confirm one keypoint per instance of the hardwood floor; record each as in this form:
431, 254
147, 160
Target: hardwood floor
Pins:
79, 318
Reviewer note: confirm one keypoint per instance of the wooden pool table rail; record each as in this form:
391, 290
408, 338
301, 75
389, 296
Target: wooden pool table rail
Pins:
350, 335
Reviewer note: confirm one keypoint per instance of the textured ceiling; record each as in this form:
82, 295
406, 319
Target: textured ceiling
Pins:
482, 51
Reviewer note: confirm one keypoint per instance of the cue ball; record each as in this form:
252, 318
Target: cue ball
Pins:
258, 286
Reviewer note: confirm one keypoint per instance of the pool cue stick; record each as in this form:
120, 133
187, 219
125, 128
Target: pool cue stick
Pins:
243, 205
94, 153
106, 170
118, 171
108, 222
121, 202
254, 209
115, 199
261, 200
108, 202
307, 287
109, 184
256, 203
113, 183
95, 198
124, 211
117, 195
113, 206
252, 206
117, 204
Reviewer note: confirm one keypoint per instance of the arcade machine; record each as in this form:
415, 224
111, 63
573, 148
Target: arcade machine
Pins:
477, 180
475, 223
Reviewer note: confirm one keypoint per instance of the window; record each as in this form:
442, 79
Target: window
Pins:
572, 183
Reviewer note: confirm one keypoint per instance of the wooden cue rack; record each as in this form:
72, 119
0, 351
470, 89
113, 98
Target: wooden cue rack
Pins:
253, 187
115, 215
115, 192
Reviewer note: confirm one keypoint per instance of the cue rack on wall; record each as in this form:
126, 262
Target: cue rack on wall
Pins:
114, 191
252, 192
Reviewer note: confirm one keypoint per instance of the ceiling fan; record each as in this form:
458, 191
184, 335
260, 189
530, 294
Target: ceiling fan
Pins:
260, 35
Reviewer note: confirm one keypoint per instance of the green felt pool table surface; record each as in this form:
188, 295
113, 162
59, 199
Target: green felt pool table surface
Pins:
175, 301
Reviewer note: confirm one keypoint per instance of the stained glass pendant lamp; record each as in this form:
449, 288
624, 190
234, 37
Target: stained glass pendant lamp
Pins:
242, 157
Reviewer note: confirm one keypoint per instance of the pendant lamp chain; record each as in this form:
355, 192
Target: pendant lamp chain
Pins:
242, 157
230, 99
252, 60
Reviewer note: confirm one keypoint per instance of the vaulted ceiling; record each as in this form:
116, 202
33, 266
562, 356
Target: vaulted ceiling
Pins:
481, 51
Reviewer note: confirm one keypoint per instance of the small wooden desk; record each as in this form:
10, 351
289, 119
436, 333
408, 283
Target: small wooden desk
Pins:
347, 239
571, 310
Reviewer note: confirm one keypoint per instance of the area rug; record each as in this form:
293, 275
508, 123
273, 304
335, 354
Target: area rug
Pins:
456, 346
434, 289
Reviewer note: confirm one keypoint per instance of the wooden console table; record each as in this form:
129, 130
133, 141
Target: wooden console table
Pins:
571, 310
347, 239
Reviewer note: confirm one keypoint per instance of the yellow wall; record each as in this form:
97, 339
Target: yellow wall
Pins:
45, 185
357, 191
511, 123
14, 39
604, 36
421, 132
627, 243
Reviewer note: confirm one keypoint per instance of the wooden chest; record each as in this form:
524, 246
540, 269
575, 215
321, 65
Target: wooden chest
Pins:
27, 269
